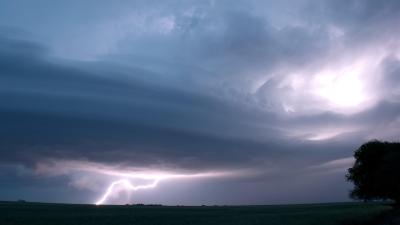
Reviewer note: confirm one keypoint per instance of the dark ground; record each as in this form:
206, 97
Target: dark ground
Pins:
391, 217
20, 213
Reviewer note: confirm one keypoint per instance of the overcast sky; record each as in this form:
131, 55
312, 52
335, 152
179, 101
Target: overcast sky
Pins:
219, 102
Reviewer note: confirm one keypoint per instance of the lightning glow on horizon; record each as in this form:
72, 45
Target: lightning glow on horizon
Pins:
156, 178
89, 175
127, 184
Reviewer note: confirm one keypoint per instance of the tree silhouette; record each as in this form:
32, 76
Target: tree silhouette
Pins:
376, 171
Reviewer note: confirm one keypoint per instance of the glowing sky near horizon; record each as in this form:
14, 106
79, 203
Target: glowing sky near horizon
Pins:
127, 185
257, 102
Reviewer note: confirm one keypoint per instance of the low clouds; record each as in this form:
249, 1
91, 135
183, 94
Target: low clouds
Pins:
195, 87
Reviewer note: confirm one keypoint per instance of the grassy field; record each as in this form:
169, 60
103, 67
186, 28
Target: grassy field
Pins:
12, 213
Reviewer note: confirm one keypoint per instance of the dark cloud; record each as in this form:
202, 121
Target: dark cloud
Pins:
47, 106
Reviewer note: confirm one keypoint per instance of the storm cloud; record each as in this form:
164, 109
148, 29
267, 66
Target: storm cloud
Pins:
277, 95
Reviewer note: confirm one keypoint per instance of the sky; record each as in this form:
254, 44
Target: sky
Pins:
193, 102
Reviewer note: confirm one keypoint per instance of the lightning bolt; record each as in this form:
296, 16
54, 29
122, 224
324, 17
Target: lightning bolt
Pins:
155, 178
91, 171
128, 185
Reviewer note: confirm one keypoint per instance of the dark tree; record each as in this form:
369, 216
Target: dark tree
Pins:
376, 171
